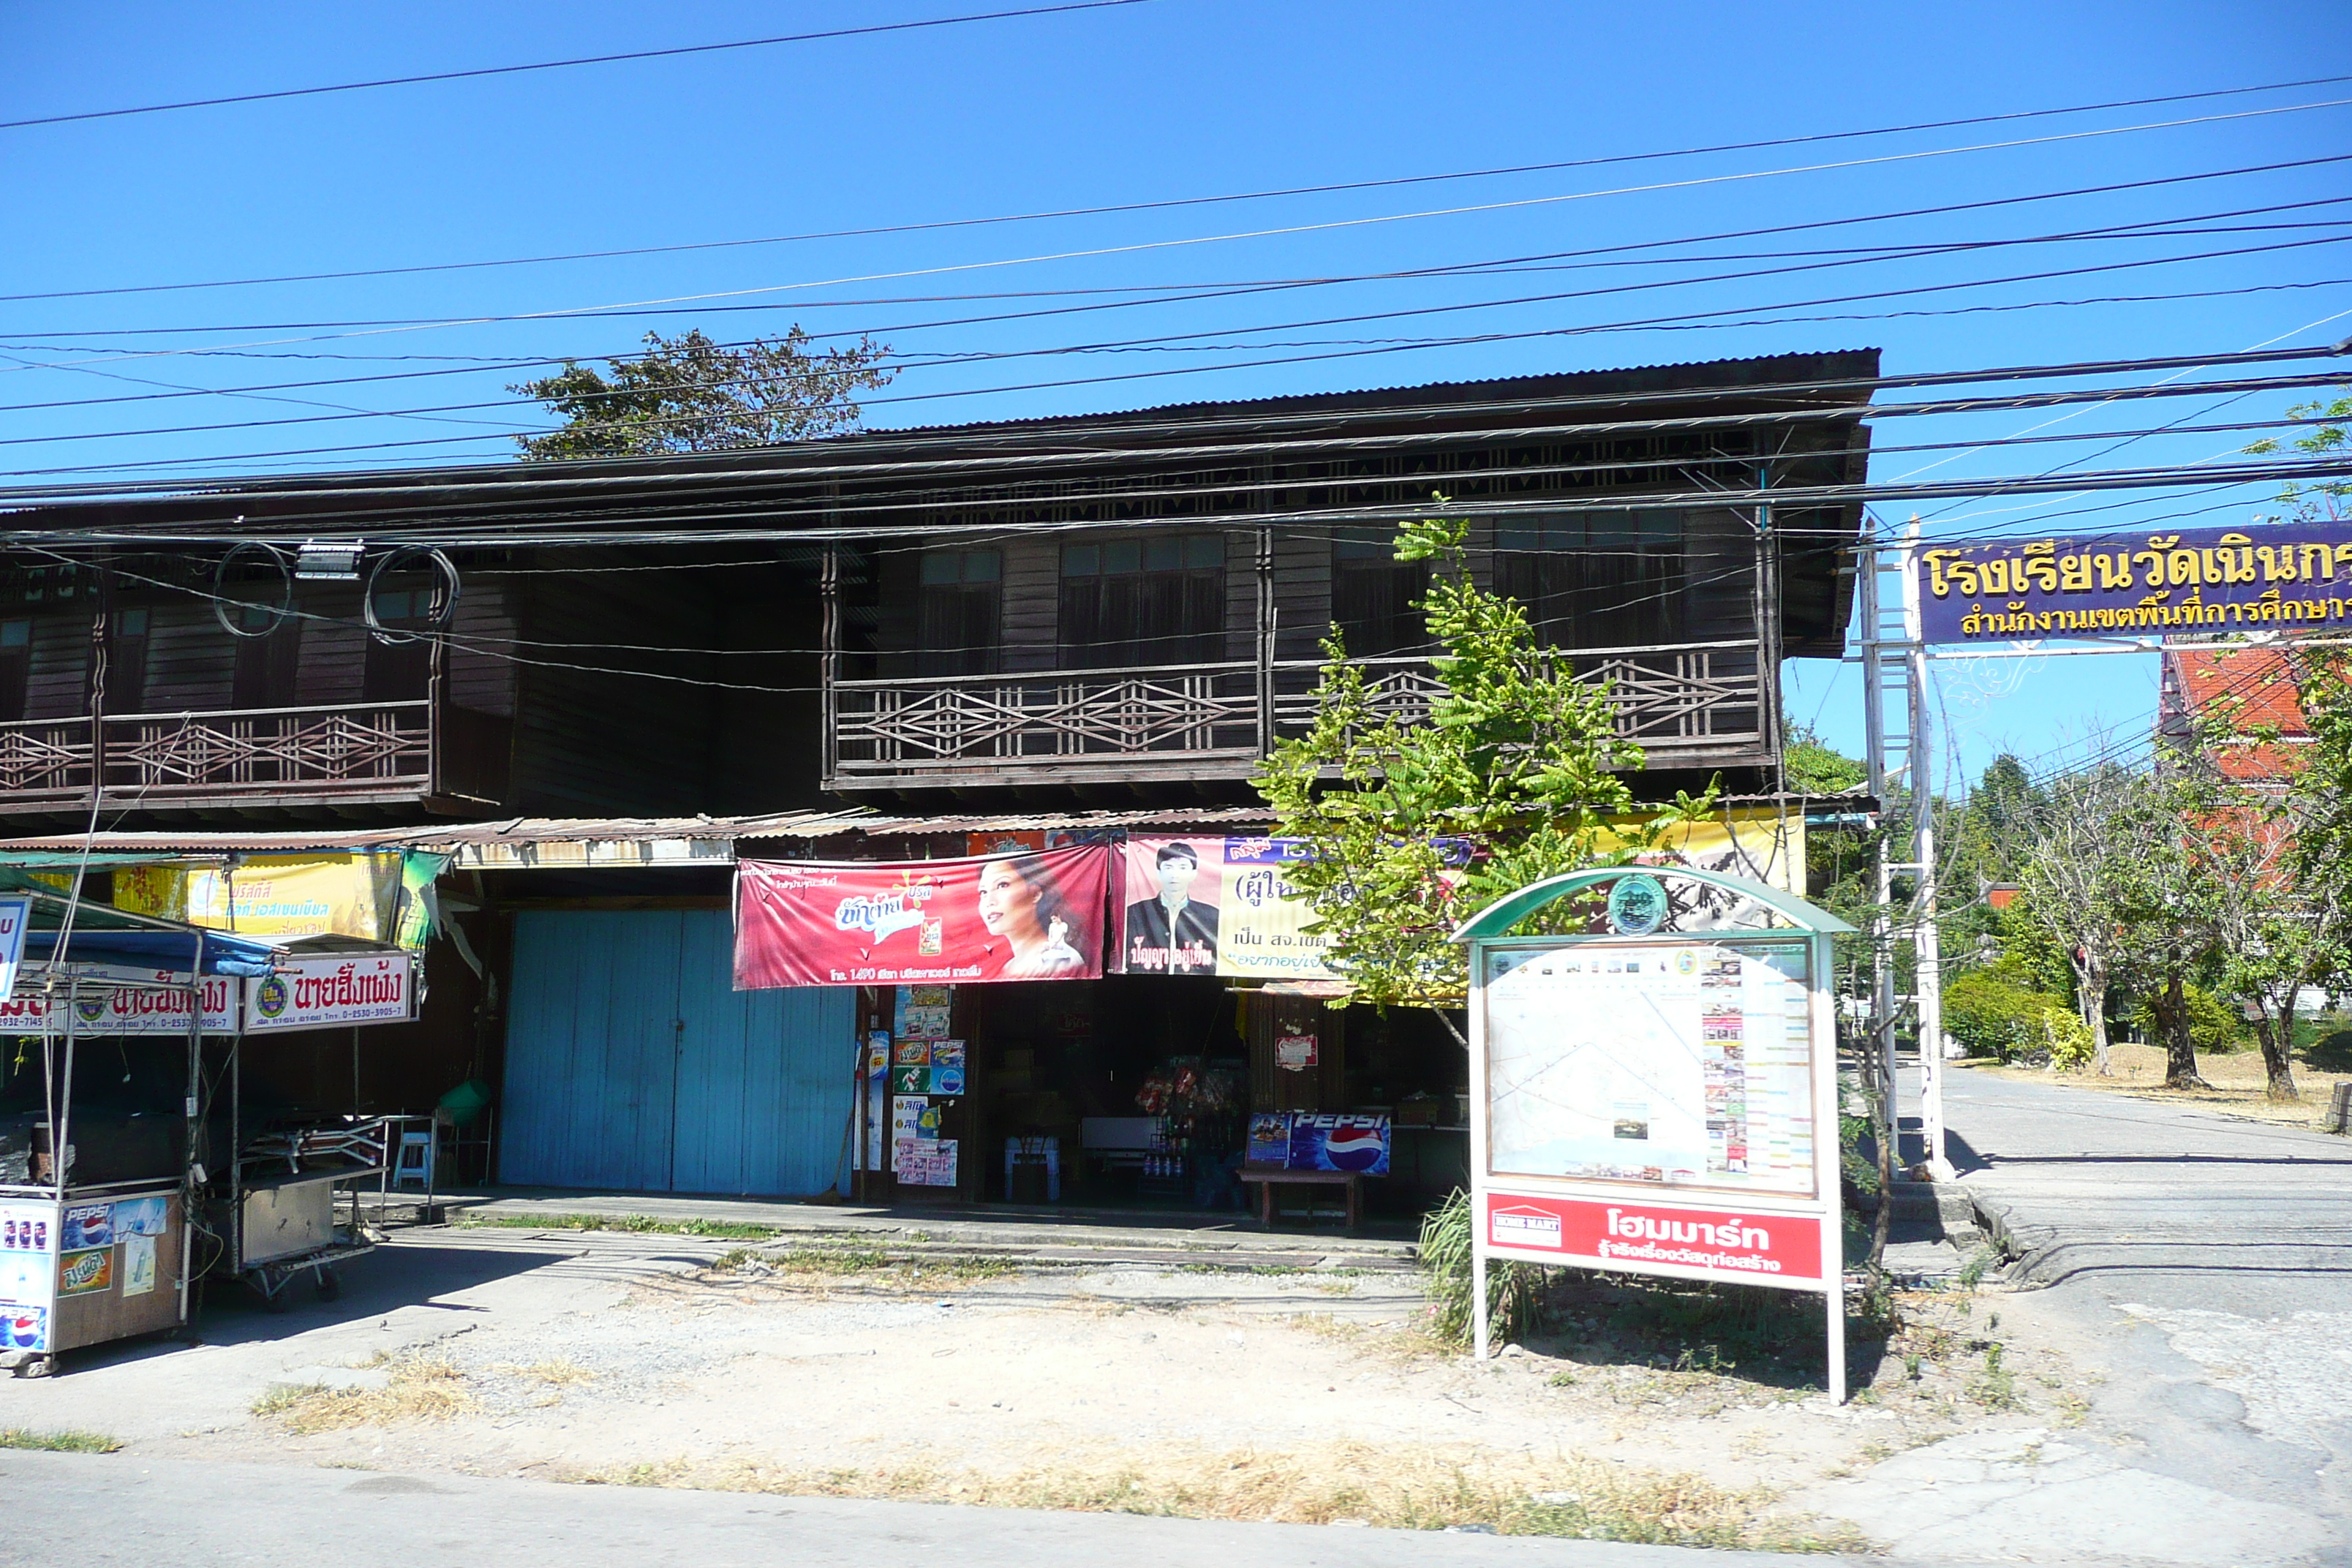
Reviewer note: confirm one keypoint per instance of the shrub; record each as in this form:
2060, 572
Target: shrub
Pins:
2215, 1028
1514, 1290
2068, 1036
1991, 1015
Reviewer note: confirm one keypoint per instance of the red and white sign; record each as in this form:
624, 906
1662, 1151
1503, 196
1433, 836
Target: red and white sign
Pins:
101, 1009
1654, 1238
323, 992
1019, 916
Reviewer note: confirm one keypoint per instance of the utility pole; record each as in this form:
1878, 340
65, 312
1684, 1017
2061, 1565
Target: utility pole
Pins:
1896, 713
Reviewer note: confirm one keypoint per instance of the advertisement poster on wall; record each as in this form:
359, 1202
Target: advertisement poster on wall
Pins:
1021, 916
1202, 905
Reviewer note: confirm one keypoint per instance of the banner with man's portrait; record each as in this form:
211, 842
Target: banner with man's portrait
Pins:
1022, 915
1201, 905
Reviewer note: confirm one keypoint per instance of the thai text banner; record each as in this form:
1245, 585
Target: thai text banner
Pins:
101, 1009
322, 992
2285, 576
1022, 915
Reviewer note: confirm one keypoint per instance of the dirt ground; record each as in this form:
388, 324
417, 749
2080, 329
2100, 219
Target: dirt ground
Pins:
2237, 1078
1298, 1394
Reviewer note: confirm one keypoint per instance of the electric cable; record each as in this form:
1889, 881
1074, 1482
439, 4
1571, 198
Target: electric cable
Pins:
1175, 202
480, 71
1286, 231
625, 392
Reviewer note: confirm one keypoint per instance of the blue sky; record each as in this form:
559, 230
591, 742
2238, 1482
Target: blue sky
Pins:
1166, 99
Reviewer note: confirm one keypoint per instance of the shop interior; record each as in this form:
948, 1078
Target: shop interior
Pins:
1135, 1091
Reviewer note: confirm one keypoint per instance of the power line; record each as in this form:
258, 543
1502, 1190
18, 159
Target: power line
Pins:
991, 356
970, 454
1167, 204
480, 71
1220, 290
1276, 232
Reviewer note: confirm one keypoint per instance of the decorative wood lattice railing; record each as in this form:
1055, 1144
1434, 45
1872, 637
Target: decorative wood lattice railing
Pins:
267, 754
1688, 699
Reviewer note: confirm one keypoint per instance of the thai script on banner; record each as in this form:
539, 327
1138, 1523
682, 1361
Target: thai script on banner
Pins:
1654, 1238
1207, 905
2295, 574
319, 993
1019, 915
103, 1009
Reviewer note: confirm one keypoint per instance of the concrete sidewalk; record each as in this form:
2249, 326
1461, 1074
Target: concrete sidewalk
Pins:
1039, 1235
2195, 1272
2168, 1202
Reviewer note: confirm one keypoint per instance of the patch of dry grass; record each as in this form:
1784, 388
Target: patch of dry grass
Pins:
1355, 1483
2239, 1080
419, 1388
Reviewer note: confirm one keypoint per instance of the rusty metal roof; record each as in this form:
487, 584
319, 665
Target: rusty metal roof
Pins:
521, 831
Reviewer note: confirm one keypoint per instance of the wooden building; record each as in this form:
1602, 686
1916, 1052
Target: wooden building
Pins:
1100, 609
961, 628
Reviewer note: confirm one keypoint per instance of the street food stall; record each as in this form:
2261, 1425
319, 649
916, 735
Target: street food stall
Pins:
128, 1170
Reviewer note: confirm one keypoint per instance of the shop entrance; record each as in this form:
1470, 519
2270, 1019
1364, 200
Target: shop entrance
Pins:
633, 1064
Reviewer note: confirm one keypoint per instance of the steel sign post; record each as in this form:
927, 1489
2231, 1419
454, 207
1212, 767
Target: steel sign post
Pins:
1657, 1094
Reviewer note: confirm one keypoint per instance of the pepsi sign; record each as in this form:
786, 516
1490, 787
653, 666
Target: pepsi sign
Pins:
1337, 1141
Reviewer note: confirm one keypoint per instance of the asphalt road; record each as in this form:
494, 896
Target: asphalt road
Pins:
103, 1510
2197, 1271
2157, 1202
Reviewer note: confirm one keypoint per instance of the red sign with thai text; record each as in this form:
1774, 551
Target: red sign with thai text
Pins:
1715, 1243
1025, 915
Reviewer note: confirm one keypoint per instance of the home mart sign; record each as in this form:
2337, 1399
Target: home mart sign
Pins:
1657, 1096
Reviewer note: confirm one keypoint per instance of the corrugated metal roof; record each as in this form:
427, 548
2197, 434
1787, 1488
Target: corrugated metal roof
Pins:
549, 830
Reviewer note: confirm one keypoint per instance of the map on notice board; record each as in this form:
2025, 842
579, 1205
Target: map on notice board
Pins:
1682, 1066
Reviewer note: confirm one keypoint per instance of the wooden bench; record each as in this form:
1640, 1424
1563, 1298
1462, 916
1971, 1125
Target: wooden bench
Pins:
1269, 1177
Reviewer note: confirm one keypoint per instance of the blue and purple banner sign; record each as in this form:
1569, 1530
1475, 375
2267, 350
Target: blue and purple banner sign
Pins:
2277, 576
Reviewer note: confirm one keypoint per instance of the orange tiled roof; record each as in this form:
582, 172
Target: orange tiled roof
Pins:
2245, 688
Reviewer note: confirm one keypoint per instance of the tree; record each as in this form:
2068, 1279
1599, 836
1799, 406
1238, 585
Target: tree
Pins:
2284, 891
2081, 838
1411, 827
689, 394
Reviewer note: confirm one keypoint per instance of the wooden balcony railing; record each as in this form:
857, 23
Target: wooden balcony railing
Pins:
1690, 704
256, 757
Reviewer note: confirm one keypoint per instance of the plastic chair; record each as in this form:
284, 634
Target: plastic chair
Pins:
416, 1164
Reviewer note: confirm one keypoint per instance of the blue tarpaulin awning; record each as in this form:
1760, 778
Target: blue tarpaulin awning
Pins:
223, 952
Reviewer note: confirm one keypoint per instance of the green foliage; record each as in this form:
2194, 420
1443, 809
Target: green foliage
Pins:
2328, 439
2031, 949
1994, 1012
689, 394
1812, 768
2067, 1037
1514, 1290
66, 1442
1413, 828
2214, 1027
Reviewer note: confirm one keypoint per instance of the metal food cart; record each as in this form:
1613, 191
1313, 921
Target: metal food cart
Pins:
109, 1215
98, 1195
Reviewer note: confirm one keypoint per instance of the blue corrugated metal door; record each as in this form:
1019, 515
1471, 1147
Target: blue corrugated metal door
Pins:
764, 1077
592, 1078
632, 1062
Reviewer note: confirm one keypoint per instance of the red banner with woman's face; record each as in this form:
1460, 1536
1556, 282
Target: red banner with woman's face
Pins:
1025, 915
